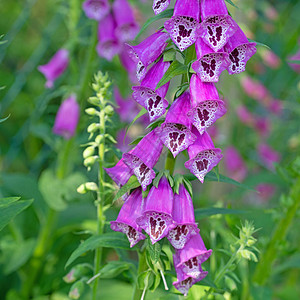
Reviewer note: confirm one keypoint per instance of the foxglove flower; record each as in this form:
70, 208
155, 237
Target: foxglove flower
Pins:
240, 50
245, 115
266, 191
55, 67
207, 107
275, 106
262, 126
175, 132
96, 9
270, 58
156, 218
123, 141
182, 26
217, 26
160, 5
183, 215
127, 28
108, 45
144, 157
235, 164
268, 155
203, 156
67, 118
147, 51
129, 64
296, 57
125, 221
147, 95
210, 64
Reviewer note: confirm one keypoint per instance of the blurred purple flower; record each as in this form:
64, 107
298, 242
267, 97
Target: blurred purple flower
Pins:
270, 58
125, 221
263, 126
295, 57
275, 106
175, 132
183, 215
122, 144
156, 218
55, 67
127, 28
268, 155
235, 164
210, 64
108, 45
266, 191
217, 26
160, 5
182, 26
129, 64
67, 118
245, 115
96, 9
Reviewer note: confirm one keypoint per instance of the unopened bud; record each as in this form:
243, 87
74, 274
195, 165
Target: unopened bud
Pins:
109, 110
88, 162
91, 186
94, 100
93, 127
76, 290
91, 111
81, 189
99, 139
89, 151
69, 278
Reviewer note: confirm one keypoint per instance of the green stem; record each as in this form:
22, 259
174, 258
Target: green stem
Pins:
142, 268
170, 162
263, 269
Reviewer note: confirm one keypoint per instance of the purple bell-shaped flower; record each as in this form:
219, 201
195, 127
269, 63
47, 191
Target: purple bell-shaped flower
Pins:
146, 52
55, 67
156, 218
144, 157
125, 221
147, 95
108, 45
216, 26
127, 28
210, 64
67, 118
206, 105
182, 26
160, 5
183, 215
240, 50
203, 155
175, 132
96, 9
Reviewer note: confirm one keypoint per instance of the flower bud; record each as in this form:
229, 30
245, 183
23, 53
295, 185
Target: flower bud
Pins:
93, 127
91, 186
109, 110
99, 139
91, 111
76, 290
69, 278
88, 162
81, 189
94, 100
89, 151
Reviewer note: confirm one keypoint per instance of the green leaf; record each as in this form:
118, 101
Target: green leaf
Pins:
141, 113
10, 200
230, 2
136, 141
260, 44
155, 123
176, 68
168, 13
201, 213
154, 251
294, 61
106, 240
114, 268
132, 183
290, 263
4, 119
12, 208
169, 55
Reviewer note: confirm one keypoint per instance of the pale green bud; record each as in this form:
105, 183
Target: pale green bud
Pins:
109, 110
99, 139
91, 111
93, 127
88, 162
89, 151
76, 290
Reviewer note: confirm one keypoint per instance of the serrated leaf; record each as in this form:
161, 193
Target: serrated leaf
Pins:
106, 240
176, 68
11, 209
258, 43
154, 251
201, 213
230, 2
168, 13
132, 183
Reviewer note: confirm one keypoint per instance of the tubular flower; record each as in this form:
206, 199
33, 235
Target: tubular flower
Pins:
245, 115
175, 132
206, 105
240, 51
148, 51
55, 67
156, 218
108, 45
203, 156
268, 155
129, 64
182, 26
125, 221
96, 9
147, 95
67, 118
127, 28
210, 64
160, 5
217, 26
263, 126
235, 164
143, 158
183, 215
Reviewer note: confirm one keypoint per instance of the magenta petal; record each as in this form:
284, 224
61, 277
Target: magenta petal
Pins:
213, 7
108, 45
125, 221
235, 164
240, 51
160, 5
210, 64
55, 67
187, 8
156, 218
127, 28
96, 9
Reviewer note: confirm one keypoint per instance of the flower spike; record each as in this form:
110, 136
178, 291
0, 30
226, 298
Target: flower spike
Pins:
96, 9
207, 107
182, 26
156, 218
125, 221
203, 156
183, 215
